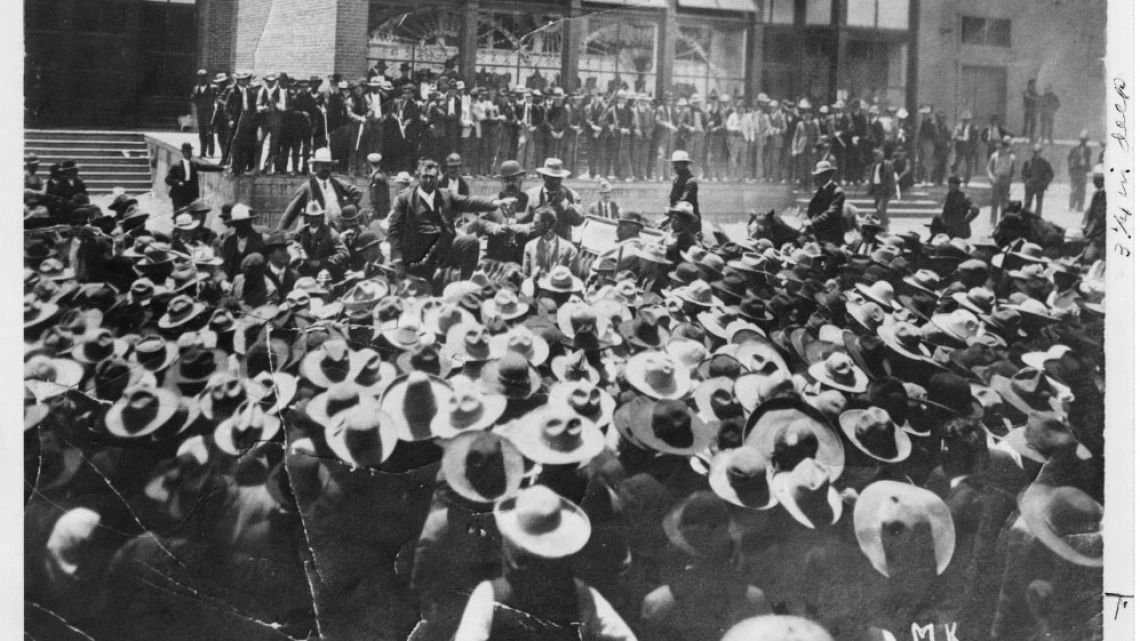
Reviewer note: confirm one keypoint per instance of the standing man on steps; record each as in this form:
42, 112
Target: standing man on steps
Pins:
202, 99
183, 177
882, 186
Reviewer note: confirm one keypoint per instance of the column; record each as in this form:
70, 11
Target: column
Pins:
842, 74
571, 40
754, 65
912, 74
468, 41
667, 48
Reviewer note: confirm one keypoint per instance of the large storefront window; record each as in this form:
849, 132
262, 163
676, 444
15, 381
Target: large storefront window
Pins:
618, 52
424, 39
710, 56
519, 48
876, 72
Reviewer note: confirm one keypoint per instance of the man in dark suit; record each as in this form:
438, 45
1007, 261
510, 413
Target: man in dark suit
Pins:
957, 212
452, 180
244, 240
684, 182
379, 195
423, 223
565, 202
202, 99
219, 120
242, 111
183, 177
322, 245
68, 184
881, 186
277, 258
273, 105
825, 211
331, 193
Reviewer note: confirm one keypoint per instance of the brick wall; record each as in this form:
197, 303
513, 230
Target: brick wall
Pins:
217, 34
299, 37
1059, 44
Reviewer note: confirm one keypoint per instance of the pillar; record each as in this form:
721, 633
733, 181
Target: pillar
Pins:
841, 39
469, 41
754, 64
571, 40
912, 74
333, 37
667, 48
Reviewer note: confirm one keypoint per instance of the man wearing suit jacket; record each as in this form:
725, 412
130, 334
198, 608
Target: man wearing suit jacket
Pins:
272, 105
422, 224
277, 258
548, 250
183, 177
684, 182
881, 186
244, 240
563, 200
202, 99
666, 120
825, 211
322, 245
331, 193
605, 208
242, 110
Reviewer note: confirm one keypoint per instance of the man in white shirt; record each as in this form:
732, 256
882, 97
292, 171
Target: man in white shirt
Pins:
330, 192
737, 144
1000, 169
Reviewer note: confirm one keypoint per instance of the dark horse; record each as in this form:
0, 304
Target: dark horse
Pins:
772, 227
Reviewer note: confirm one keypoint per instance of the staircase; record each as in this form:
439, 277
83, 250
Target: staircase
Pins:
106, 159
920, 202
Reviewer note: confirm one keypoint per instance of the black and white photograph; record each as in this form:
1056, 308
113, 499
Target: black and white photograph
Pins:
584, 320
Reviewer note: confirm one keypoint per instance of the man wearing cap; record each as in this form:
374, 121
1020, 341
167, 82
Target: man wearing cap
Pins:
202, 100
641, 149
685, 185
1000, 169
182, 178
242, 112
1037, 173
1080, 163
965, 138
330, 192
563, 200
422, 224
452, 180
776, 165
825, 211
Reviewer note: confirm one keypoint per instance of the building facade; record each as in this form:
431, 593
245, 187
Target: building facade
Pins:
131, 62
979, 55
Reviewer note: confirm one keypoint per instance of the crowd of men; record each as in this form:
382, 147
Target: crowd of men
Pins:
273, 124
432, 415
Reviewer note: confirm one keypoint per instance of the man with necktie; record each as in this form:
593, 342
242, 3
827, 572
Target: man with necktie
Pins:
563, 200
202, 99
242, 111
183, 177
605, 208
332, 194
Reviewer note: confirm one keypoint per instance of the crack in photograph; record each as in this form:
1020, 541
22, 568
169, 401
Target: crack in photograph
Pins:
670, 320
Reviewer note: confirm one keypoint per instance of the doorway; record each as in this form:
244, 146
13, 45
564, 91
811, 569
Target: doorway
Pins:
983, 92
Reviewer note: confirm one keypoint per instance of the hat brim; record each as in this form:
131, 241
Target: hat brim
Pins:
571, 535
490, 377
782, 491
704, 432
635, 371
223, 434
493, 407
868, 523
529, 440
858, 385
454, 467
720, 485
553, 173
335, 437
167, 405
903, 446
1032, 506
392, 406
763, 425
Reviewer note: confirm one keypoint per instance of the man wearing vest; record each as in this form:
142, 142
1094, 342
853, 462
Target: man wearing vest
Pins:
605, 208
422, 225
563, 200
330, 193
272, 105
321, 244
277, 259
242, 112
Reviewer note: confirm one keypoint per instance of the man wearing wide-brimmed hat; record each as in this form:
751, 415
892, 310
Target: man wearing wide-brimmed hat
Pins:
241, 111
564, 201
331, 193
825, 211
202, 101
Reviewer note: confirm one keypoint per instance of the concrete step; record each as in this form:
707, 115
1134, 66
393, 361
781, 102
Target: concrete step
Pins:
80, 143
71, 134
75, 153
869, 202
